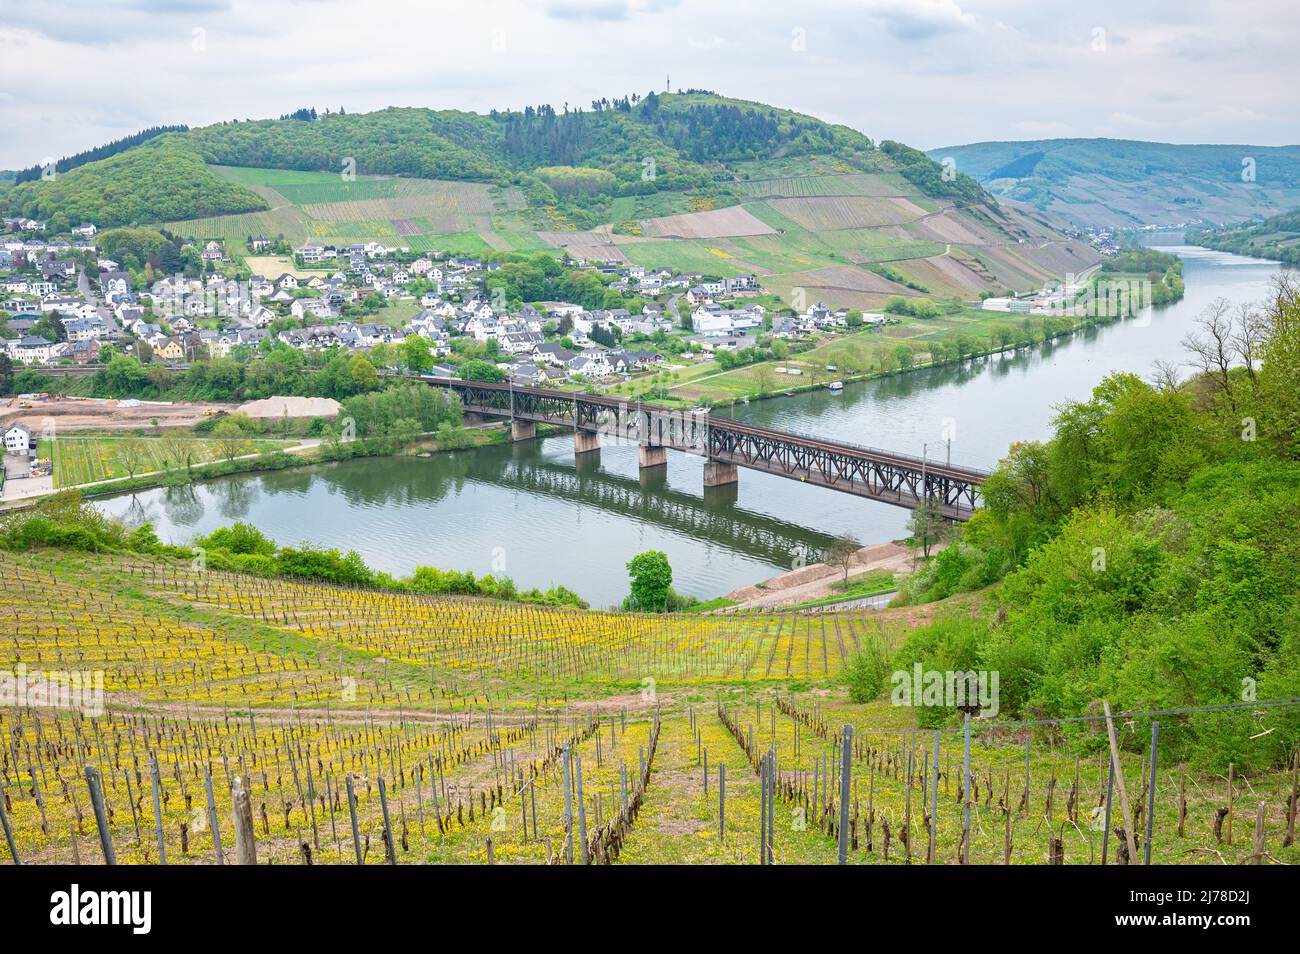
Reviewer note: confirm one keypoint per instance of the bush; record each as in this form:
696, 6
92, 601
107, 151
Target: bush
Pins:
866, 672
238, 538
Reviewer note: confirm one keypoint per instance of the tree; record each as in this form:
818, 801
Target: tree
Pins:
480, 370
765, 376
6, 374
364, 376
416, 354
131, 453
1279, 398
1212, 347
841, 552
927, 525
229, 437
652, 577
179, 449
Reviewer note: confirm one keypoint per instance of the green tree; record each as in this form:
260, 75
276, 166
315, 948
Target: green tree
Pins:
131, 453
229, 437
416, 353
652, 578
927, 525
364, 376
1279, 377
480, 370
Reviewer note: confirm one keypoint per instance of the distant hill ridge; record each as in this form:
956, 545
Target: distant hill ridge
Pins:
693, 182
1125, 183
661, 142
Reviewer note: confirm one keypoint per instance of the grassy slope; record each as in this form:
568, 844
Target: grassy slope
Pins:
830, 200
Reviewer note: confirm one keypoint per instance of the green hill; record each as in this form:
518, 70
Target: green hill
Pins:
1277, 237
1124, 183
693, 181
164, 178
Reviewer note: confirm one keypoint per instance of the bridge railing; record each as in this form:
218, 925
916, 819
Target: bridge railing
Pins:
909, 460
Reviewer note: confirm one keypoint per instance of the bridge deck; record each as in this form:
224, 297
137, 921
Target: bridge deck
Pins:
887, 476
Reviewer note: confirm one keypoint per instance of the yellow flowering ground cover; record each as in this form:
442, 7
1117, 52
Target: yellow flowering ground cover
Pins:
465, 710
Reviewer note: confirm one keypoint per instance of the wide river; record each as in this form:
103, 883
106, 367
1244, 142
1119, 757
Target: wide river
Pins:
528, 511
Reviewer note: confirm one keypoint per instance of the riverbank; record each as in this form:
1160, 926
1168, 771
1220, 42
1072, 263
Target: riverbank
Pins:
556, 518
940, 342
306, 454
816, 581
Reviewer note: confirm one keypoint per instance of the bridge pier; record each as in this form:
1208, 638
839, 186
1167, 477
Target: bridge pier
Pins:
875, 474
649, 455
718, 472
522, 430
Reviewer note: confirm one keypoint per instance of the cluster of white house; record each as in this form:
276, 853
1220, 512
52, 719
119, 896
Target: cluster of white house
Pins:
41, 279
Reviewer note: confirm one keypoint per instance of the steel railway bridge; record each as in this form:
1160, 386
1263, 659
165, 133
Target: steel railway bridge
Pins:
725, 445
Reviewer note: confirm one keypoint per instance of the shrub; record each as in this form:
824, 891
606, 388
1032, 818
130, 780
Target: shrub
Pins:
866, 672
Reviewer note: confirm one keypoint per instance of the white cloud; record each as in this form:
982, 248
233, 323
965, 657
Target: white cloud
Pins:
920, 19
927, 72
1051, 129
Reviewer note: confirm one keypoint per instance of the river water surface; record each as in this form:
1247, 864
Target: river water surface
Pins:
528, 511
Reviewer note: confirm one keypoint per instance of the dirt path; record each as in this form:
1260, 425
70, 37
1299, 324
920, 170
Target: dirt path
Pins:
72, 414
814, 581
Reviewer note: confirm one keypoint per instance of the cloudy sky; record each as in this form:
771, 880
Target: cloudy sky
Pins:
77, 73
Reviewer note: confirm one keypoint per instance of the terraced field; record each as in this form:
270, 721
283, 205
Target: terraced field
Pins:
815, 231
857, 183
335, 208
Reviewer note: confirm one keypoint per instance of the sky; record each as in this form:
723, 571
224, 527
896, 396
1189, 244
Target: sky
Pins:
75, 74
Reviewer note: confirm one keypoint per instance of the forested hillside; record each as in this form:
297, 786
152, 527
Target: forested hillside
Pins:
1118, 182
1151, 545
627, 147
68, 163
162, 179
1277, 237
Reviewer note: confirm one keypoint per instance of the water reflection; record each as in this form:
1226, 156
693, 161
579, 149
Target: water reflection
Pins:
558, 520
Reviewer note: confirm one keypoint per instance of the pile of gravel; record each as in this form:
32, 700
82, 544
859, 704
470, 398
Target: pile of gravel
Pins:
295, 406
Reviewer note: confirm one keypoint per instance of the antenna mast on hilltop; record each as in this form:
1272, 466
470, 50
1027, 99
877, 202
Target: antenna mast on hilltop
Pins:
668, 83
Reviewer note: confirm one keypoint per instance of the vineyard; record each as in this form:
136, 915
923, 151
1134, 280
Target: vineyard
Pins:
848, 184
331, 207
832, 213
82, 460
177, 714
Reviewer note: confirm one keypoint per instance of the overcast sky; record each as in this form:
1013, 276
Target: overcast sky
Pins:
77, 73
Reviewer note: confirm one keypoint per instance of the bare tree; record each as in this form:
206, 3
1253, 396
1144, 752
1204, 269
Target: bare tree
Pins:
1212, 348
841, 552
229, 439
131, 453
1166, 375
178, 449
1249, 332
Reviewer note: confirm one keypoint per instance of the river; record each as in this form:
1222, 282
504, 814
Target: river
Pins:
527, 510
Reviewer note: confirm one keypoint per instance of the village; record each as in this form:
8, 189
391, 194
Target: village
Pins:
66, 305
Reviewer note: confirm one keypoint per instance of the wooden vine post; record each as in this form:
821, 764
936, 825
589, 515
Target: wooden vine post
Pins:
1119, 780
245, 840
846, 780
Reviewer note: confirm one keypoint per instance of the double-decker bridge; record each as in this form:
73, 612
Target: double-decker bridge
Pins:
726, 445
